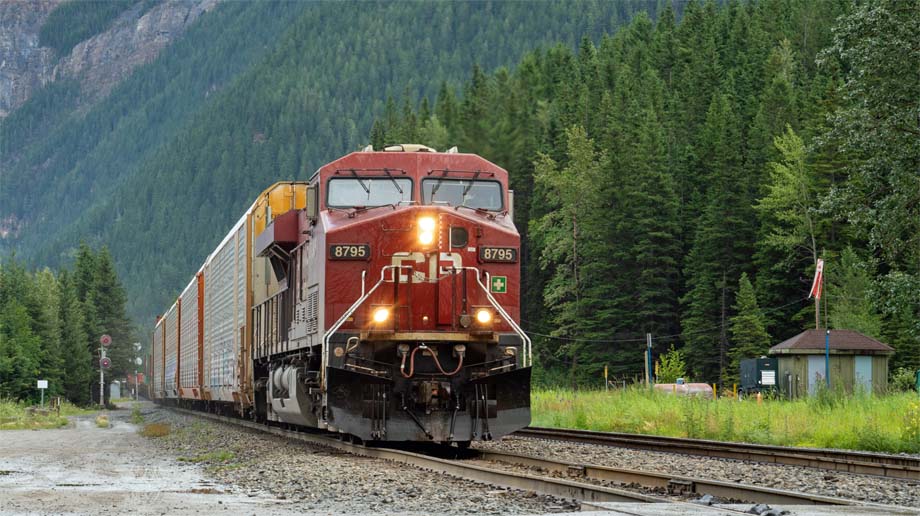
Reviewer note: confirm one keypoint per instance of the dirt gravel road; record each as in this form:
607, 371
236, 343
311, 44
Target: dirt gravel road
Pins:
83, 469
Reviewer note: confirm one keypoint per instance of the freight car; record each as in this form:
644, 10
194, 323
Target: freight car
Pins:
379, 299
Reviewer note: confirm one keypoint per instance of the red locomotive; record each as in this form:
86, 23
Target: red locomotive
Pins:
377, 299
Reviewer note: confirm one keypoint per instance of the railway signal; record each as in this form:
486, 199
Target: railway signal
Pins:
104, 363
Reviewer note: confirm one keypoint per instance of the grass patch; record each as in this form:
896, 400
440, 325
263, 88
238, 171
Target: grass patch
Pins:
14, 415
211, 457
859, 422
155, 430
102, 421
136, 417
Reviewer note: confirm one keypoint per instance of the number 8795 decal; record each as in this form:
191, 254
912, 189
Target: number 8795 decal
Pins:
349, 252
498, 254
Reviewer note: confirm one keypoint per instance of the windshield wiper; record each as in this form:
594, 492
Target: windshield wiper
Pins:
367, 190
481, 211
398, 189
438, 185
467, 189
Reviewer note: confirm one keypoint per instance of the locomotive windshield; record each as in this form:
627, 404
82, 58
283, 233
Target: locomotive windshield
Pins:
368, 192
477, 194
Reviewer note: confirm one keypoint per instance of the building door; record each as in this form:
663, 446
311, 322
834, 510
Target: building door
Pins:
815, 372
864, 373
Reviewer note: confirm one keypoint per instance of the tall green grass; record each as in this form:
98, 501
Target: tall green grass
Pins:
859, 422
13, 416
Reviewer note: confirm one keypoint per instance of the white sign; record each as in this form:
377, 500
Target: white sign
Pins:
768, 377
43, 384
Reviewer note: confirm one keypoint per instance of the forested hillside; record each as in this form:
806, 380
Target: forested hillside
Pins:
50, 324
679, 176
255, 93
682, 179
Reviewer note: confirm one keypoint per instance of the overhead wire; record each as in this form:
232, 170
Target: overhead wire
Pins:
658, 338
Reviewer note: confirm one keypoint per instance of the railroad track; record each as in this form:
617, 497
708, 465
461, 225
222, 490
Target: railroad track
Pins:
580, 482
866, 463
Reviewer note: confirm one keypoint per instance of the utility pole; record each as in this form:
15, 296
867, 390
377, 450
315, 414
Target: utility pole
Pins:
648, 359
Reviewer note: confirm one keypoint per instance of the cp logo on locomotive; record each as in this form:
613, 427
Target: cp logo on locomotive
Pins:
437, 265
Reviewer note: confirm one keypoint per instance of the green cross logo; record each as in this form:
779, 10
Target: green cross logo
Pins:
499, 284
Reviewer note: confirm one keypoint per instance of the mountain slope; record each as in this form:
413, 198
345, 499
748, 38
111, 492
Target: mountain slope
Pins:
161, 201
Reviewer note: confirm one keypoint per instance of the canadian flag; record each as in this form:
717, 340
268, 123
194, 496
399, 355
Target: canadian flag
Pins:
816, 284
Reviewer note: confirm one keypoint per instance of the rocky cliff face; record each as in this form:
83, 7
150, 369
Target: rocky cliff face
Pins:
24, 66
100, 62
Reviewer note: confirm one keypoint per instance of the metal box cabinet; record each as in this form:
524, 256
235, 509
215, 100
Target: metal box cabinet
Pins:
759, 375
171, 357
190, 338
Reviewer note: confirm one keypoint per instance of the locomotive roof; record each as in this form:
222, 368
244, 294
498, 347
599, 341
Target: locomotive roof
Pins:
415, 157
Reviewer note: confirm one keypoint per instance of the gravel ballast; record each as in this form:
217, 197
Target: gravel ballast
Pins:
317, 479
794, 478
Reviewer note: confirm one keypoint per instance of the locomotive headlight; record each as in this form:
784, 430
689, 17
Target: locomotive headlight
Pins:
426, 227
381, 314
484, 316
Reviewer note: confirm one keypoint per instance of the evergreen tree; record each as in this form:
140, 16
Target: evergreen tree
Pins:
577, 193
45, 301
877, 125
849, 296
78, 359
109, 299
20, 348
721, 247
749, 334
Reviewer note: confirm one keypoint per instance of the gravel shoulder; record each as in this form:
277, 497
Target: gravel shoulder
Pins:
319, 480
794, 478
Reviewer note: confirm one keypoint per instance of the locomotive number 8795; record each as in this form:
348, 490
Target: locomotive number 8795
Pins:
378, 299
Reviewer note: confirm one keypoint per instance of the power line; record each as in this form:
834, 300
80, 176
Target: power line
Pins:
657, 337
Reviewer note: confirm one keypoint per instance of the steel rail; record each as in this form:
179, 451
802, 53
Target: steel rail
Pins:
559, 487
673, 484
865, 463
552, 486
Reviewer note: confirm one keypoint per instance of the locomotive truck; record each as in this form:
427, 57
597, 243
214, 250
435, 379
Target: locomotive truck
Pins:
379, 299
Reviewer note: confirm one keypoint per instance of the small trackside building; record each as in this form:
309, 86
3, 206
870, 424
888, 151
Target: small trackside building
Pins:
857, 362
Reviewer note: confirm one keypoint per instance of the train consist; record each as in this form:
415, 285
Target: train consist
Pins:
378, 299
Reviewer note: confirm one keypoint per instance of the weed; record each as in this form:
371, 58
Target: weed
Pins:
102, 421
15, 415
136, 417
155, 430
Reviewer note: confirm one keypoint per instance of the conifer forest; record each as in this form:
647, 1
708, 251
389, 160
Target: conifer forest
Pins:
679, 168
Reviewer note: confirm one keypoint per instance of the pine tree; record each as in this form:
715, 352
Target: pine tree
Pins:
378, 135
749, 334
20, 348
45, 301
79, 369
577, 201
721, 248
849, 296
108, 296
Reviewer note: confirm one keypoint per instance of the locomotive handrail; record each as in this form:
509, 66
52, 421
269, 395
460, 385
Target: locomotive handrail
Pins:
528, 356
527, 359
348, 313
